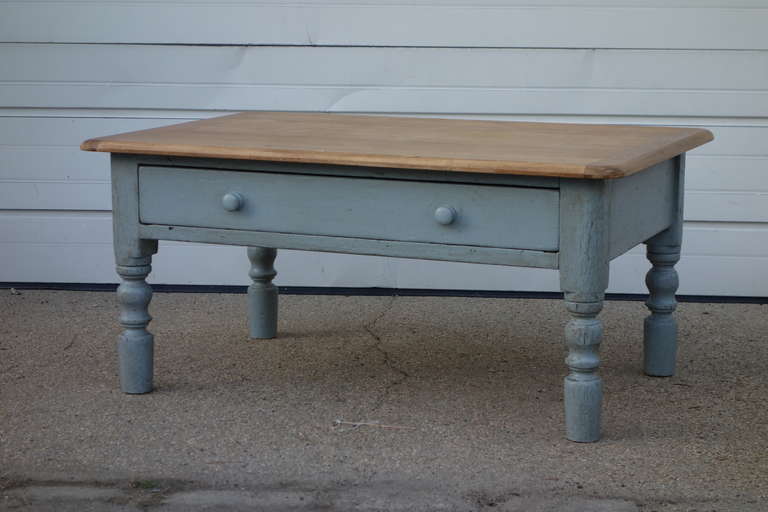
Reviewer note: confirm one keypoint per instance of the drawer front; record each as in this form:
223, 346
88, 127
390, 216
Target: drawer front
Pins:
415, 211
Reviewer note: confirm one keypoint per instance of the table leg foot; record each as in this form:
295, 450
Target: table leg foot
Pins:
660, 328
583, 386
135, 346
262, 294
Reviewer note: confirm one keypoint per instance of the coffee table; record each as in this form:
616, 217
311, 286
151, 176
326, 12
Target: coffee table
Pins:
559, 196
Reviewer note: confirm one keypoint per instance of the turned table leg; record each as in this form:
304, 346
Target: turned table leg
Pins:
660, 328
583, 386
133, 256
135, 346
262, 294
583, 280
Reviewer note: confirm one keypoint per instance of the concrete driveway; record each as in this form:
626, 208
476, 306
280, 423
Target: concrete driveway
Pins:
374, 403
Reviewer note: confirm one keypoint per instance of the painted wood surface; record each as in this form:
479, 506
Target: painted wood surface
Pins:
262, 293
584, 267
640, 206
133, 255
366, 246
130, 247
660, 327
135, 346
533, 149
491, 216
410, 175
663, 251
560, 24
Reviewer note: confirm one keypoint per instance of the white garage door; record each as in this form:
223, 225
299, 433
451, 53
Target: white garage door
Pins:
73, 70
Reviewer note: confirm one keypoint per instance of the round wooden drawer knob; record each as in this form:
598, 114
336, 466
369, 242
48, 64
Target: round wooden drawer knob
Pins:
445, 215
232, 201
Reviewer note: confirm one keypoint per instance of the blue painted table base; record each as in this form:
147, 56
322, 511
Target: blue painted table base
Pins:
596, 221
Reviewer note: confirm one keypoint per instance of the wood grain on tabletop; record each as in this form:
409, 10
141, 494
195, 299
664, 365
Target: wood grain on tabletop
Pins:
537, 149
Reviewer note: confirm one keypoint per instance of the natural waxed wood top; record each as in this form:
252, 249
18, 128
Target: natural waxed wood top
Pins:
495, 147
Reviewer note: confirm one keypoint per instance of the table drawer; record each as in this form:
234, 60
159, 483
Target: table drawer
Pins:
415, 211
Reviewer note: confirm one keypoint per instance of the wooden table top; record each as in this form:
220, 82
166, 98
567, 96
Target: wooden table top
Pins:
495, 147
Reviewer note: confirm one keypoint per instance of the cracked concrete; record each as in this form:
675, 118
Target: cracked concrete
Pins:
387, 358
239, 425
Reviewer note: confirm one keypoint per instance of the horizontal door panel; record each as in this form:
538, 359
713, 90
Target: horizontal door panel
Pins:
462, 24
491, 80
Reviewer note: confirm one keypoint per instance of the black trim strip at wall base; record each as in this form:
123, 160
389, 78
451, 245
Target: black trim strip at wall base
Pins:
369, 292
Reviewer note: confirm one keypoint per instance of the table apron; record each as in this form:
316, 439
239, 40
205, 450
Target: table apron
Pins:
392, 248
642, 205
